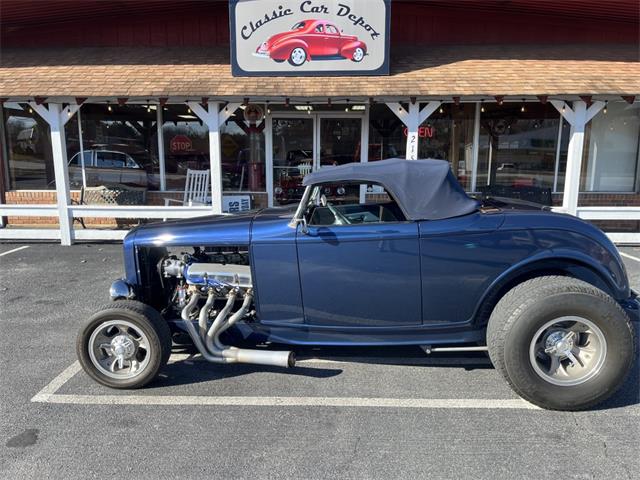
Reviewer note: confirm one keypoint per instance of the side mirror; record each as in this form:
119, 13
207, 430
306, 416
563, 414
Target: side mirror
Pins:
304, 228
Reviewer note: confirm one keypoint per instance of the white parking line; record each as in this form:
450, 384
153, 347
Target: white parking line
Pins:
630, 256
448, 403
48, 395
57, 383
14, 250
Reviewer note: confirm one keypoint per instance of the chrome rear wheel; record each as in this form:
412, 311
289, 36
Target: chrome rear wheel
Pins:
568, 351
561, 343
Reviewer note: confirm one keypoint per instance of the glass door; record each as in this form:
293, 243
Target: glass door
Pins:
339, 140
293, 156
302, 143
339, 143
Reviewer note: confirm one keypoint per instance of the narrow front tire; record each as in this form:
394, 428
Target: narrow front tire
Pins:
124, 344
298, 56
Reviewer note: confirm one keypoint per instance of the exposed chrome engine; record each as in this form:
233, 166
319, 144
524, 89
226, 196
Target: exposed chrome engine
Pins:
207, 292
208, 274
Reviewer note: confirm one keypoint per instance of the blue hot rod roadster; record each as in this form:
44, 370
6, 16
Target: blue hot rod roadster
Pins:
386, 253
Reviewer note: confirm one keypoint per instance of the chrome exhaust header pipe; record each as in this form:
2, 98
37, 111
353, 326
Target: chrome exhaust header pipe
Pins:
262, 357
212, 349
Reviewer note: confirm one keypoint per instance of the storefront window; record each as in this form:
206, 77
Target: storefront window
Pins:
117, 143
565, 136
517, 150
28, 149
242, 149
611, 150
448, 135
386, 134
186, 145
445, 135
72, 137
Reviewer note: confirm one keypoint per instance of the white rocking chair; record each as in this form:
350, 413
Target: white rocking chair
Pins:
196, 189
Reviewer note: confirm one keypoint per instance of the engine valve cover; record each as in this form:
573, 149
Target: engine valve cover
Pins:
213, 274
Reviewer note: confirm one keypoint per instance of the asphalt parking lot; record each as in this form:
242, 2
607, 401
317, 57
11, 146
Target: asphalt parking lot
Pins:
357, 413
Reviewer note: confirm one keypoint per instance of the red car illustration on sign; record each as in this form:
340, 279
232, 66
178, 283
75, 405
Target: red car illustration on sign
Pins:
312, 39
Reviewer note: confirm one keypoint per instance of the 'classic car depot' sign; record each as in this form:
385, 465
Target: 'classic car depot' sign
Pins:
309, 37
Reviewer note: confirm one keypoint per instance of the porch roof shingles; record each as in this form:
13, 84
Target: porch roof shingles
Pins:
443, 70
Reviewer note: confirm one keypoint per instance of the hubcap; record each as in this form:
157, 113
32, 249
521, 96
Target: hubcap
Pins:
358, 54
123, 346
119, 349
298, 56
568, 351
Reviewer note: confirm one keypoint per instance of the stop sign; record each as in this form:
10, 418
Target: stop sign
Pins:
180, 143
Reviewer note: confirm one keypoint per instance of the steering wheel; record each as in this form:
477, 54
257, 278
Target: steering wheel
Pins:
340, 219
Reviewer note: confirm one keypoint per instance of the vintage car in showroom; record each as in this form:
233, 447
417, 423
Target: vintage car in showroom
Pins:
312, 40
413, 261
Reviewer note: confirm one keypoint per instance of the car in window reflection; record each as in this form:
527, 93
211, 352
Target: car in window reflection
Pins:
107, 167
312, 39
27, 140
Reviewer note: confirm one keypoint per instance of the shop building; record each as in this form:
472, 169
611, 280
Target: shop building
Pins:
106, 114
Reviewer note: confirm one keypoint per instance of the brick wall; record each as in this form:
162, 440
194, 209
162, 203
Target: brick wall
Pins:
31, 197
603, 199
608, 200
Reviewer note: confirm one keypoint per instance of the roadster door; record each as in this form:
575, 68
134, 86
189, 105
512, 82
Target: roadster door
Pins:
364, 272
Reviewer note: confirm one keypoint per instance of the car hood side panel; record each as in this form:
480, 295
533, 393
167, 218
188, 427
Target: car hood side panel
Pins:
209, 230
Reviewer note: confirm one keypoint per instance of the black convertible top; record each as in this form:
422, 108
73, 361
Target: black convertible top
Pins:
424, 189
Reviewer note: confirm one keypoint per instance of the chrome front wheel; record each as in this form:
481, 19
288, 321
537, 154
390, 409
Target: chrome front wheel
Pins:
298, 56
568, 351
119, 349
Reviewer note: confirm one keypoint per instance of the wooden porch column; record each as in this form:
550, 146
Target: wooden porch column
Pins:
213, 117
577, 117
57, 117
412, 119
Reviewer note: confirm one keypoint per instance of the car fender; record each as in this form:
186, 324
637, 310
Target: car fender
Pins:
282, 50
609, 269
348, 48
554, 260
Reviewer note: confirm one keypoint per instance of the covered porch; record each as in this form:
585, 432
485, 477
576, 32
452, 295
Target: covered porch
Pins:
502, 116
